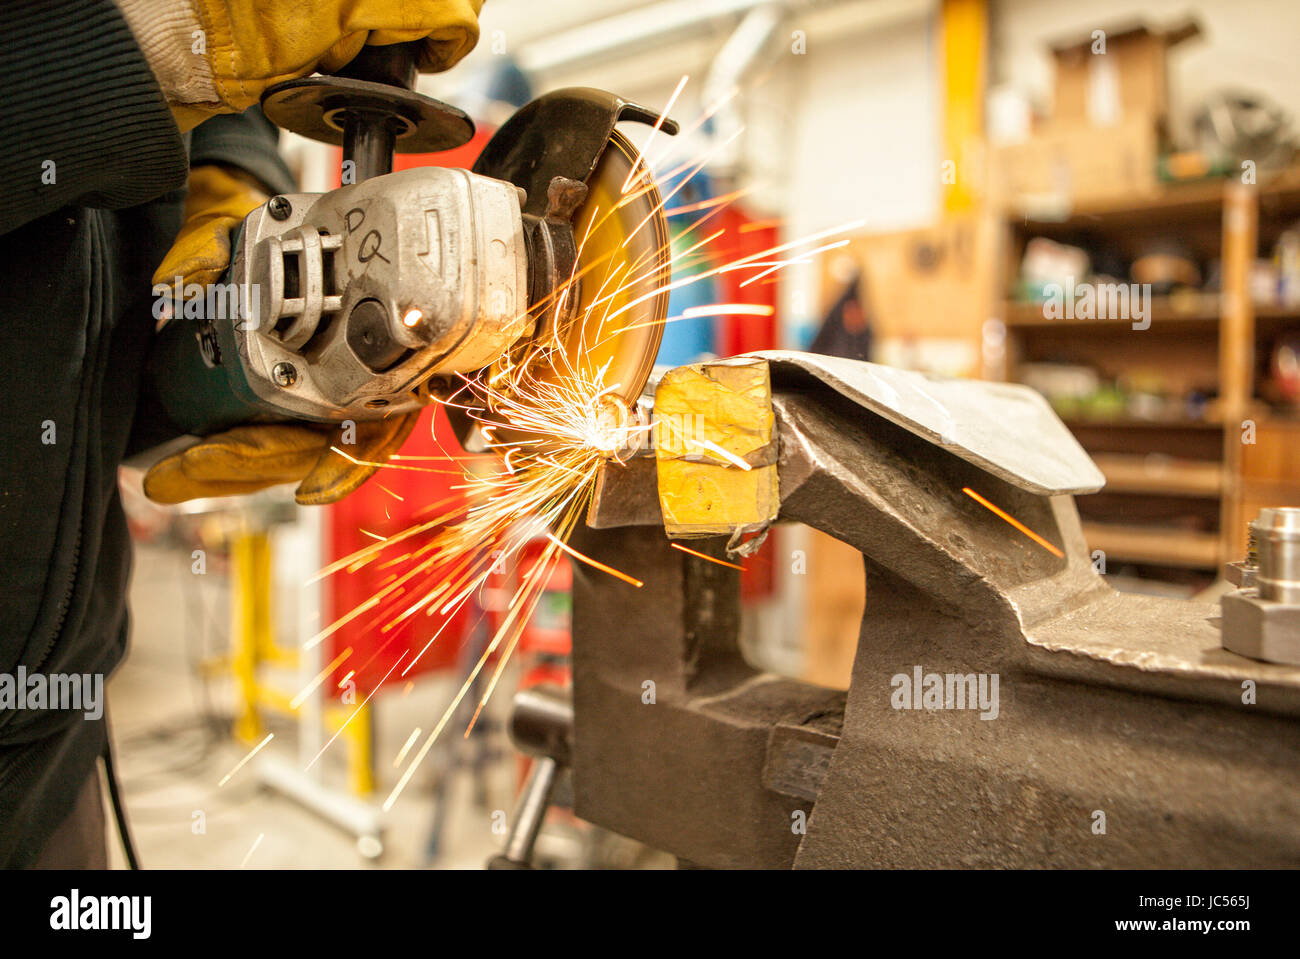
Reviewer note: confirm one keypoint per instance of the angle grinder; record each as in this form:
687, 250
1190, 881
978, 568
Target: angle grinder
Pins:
360, 302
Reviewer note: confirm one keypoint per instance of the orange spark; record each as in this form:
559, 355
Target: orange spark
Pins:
711, 559
594, 563
1014, 522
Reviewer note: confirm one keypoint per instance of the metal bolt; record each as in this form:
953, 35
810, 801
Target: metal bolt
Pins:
279, 207
284, 374
1277, 532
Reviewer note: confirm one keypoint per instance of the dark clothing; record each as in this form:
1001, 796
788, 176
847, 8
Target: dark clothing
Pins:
79, 842
93, 180
846, 330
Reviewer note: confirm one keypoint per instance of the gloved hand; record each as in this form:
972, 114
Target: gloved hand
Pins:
249, 458
217, 56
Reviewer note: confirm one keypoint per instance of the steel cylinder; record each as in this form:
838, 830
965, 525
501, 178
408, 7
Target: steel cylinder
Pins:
1277, 537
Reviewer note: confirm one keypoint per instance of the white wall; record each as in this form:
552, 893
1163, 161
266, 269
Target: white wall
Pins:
863, 144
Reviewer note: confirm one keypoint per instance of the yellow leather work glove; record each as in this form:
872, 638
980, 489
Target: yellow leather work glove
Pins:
250, 458
217, 56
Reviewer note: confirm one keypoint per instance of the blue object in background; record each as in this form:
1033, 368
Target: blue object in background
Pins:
688, 340
693, 339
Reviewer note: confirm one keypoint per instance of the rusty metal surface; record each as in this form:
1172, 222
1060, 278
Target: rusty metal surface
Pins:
1110, 704
626, 494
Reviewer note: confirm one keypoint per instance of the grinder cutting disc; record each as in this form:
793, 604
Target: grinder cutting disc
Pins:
619, 233
611, 307
623, 266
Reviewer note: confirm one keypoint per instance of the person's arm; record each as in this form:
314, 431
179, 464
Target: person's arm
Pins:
247, 141
83, 117
91, 98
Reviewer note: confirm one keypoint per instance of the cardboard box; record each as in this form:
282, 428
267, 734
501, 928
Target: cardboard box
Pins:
1111, 76
1077, 164
932, 281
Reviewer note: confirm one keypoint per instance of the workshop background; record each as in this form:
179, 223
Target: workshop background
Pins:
994, 152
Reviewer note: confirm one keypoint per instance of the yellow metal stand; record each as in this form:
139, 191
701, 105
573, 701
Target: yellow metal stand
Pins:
252, 646
359, 736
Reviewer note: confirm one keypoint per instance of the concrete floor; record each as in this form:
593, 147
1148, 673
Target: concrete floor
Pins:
172, 754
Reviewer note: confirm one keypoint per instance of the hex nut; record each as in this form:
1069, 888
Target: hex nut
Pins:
1260, 628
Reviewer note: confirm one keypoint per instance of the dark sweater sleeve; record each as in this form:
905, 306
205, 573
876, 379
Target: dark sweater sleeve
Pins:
246, 140
84, 119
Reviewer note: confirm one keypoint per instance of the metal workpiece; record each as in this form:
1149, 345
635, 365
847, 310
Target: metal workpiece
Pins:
1260, 628
714, 449
1111, 709
1006, 429
1240, 573
1262, 619
381, 284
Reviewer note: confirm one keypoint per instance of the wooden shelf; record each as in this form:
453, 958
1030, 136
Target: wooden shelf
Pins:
1283, 187
1276, 311
1172, 201
1129, 422
1160, 474
1165, 312
1203, 476
1203, 199
1154, 545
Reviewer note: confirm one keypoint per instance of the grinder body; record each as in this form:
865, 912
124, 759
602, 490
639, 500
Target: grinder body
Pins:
342, 305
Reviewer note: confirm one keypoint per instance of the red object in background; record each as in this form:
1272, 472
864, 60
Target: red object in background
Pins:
745, 236
548, 630
758, 581
390, 502
546, 640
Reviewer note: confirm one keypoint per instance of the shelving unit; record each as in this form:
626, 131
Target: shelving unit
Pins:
1180, 488
1159, 474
